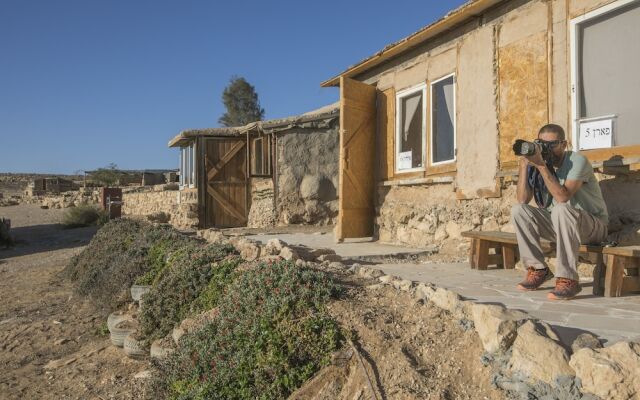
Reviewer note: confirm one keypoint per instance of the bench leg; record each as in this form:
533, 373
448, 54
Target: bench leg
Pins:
481, 254
599, 276
614, 276
508, 256
472, 253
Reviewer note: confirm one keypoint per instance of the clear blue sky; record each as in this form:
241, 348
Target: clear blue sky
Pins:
84, 83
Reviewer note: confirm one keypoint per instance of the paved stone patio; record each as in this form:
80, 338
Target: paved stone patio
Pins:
612, 319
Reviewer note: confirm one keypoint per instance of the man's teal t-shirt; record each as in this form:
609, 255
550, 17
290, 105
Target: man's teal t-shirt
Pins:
575, 166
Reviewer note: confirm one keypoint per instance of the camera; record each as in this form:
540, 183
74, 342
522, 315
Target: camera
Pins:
525, 148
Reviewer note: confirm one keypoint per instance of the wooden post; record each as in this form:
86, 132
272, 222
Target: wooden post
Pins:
614, 275
481, 254
599, 275
472, 253
508, 256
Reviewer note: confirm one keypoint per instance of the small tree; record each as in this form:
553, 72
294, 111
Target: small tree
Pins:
106, 176
241, 100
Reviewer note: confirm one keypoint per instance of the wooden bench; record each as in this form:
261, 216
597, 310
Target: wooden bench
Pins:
608, 279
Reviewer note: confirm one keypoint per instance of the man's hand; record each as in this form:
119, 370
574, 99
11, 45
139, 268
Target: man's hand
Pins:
536, 160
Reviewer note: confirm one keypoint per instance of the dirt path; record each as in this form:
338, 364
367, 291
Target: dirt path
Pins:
52, 342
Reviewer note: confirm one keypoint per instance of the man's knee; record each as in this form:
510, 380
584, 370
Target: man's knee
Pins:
520, 212
562, 210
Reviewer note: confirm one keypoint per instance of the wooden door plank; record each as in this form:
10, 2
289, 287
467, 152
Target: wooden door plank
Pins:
357, 159
222, 200
215, 170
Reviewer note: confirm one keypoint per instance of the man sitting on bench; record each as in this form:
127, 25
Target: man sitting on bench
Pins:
570, 211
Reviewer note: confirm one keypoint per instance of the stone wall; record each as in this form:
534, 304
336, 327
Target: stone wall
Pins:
262, 213
307, 176
426, 215
72, 198
162, 201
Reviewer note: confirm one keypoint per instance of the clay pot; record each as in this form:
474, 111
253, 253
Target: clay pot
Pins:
121, 330
138, 290
133, 347
160, 352
116, 317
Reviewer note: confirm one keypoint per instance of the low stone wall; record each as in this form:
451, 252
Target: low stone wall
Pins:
180, 206
72, 198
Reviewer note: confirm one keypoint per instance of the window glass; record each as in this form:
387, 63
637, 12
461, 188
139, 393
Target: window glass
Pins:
607, 70
410, 146
442, 117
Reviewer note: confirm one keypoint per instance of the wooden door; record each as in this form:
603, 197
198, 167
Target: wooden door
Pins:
357, 156
226, 179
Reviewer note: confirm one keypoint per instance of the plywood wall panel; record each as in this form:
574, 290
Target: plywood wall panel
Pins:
523, 80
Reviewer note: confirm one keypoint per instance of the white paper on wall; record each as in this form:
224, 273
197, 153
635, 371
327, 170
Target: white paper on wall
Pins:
596, 134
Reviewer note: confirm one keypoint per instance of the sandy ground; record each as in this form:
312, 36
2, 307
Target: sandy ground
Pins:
52, 341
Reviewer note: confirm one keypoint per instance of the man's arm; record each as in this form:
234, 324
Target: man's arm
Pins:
561, 193
523, 192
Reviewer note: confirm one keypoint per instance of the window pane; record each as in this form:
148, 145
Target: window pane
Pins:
609, 55
410, 147
257, 157
193, 164
443, 113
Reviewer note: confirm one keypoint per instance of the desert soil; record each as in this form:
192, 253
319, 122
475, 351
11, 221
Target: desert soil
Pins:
52, 341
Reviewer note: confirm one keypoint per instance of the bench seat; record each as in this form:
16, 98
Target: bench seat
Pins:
608, 279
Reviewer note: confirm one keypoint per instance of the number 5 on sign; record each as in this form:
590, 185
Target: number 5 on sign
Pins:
596, 134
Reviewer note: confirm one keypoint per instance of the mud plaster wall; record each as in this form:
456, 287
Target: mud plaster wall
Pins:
180, 205
477, 129
307, 176
262, 213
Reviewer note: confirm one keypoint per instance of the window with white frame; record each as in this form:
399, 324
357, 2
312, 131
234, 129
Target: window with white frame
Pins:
443, 120
605, 59
410, 129
187, 166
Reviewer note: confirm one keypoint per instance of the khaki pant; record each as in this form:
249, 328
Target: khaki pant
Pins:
565, 225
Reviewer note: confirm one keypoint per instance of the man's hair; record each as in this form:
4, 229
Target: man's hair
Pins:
553, 128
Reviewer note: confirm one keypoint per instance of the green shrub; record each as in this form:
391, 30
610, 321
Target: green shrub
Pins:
122, 252
84, 215
191, 270
271, 335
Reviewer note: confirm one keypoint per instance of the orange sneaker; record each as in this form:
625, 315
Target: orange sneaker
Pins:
566, 289
535, 278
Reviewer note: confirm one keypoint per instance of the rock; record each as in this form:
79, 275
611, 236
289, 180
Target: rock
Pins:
146, 374
441, 234
61, 341
315, 253
375, 286
402, 284
289, 254
58, 363
586, 340
310, 187
537, 354
453, 230
423, 292
611, 372
446, 299
249, 250
274, 246
329, 257
300, 263
386, 279
336, 266
496, 326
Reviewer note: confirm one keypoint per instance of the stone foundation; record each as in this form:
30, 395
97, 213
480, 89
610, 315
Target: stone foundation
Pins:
419, 216
67, 199
181, 206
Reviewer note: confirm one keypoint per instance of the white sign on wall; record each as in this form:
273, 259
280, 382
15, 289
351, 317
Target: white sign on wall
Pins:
596, 134
405, 160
